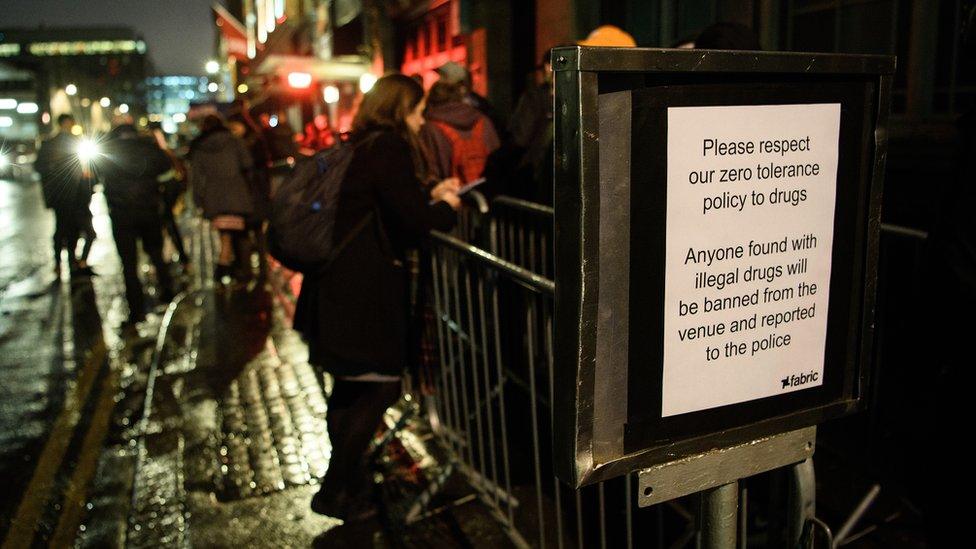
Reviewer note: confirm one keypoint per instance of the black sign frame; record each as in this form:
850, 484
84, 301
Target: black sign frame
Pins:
596, 435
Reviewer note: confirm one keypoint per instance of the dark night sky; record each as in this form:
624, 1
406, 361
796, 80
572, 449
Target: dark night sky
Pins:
179, 33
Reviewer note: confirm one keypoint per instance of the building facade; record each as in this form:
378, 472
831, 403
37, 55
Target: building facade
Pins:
90, 72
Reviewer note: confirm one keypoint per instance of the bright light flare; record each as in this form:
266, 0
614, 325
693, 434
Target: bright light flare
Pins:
105, 102
367, 81
212, 87
6, 121
330, 94
299, 80
212, 66
123, 108
71, 89
4, 162
8, 103
27, 108
179, 118
88, 150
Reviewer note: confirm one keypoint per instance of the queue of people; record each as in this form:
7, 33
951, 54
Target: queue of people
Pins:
411, 151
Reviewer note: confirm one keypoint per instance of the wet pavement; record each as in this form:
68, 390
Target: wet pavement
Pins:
206, 428
54, 356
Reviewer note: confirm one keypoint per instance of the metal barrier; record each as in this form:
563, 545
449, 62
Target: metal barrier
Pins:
490, 408
522, 232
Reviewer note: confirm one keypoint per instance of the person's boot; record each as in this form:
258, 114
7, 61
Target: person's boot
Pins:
331, 503
85, 269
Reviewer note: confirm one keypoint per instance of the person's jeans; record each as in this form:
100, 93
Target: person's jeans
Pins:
127, 234
66, 233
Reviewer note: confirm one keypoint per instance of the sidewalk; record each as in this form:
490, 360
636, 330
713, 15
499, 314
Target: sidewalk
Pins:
235, 442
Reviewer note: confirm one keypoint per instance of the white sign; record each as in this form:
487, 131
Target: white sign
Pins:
750, 219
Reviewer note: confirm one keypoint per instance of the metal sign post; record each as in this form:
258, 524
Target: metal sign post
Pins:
716, 239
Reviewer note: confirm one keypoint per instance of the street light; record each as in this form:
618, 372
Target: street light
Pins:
330, 94
71, 89
212, 66
299, 80
366, 82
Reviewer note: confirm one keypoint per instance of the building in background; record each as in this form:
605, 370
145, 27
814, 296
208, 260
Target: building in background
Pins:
169, 98
19, 119
91, 72
292, 60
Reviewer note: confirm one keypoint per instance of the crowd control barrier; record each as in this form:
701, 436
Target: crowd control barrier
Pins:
491, 403
521, 232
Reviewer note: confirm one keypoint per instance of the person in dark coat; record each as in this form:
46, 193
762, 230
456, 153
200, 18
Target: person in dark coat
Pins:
531, 146
129, 167
220, 177
454, 74
354, 316
67, 190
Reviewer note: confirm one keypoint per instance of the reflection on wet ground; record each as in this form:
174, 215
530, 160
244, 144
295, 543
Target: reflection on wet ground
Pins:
53, 353
229, 445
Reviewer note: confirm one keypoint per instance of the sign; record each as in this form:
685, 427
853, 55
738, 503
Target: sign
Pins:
716, 220
750, 220
233, 34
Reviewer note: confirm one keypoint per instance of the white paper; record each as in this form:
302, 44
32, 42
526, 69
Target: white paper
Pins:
711, 220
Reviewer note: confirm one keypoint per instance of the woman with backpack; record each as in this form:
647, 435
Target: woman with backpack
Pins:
220, 176
354, 314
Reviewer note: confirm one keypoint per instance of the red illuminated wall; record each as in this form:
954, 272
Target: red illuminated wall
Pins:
434, 39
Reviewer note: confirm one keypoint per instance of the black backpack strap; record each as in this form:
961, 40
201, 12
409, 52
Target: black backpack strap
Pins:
346, 240
362, 224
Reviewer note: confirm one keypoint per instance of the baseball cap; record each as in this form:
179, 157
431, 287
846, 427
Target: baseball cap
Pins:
452, 73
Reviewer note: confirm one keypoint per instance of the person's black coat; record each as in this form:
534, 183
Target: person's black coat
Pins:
62, 183
129, 167
355, 315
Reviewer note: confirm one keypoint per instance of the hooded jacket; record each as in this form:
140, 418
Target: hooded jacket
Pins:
462, 117
220, 168
129, 165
